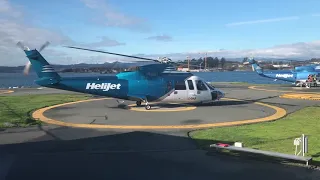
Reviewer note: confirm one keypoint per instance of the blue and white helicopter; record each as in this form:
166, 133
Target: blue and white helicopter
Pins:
298, 76
149, 83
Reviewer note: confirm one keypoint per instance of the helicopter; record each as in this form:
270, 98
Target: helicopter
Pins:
298, 76
312, 67
157, 82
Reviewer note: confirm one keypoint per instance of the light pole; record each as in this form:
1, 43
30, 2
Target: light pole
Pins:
188, 63
205, 62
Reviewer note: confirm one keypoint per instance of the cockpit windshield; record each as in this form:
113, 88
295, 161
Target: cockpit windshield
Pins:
210, 86
200, 85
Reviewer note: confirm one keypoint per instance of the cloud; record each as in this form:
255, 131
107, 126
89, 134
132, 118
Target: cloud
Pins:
160, 38
107, 15
7, 9
263, 21
300, 50
12, 32
13, 29
104, 42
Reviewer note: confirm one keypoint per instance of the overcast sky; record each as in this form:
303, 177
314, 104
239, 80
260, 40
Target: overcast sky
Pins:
175, 29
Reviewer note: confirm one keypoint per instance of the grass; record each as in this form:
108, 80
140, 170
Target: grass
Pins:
277, 136
15, 110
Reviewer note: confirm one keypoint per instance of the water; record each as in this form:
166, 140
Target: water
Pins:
19, 79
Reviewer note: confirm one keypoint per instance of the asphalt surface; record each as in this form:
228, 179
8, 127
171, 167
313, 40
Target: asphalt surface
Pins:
95, 112
52, 152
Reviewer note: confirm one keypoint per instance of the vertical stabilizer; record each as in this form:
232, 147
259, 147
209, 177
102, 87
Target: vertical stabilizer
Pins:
255, 66
39, 64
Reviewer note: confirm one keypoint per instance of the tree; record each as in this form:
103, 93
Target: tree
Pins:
222, 62
216, 62
210, 62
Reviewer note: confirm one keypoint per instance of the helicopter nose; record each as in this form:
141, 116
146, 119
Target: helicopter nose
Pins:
220, 94
216, 95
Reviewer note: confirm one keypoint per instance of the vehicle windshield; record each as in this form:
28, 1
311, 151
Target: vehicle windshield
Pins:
210, 86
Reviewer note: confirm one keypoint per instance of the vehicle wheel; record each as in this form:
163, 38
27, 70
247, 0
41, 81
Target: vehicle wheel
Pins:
148, 107
138, 103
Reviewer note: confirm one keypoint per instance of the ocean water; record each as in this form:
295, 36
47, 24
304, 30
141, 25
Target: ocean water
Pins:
19, 79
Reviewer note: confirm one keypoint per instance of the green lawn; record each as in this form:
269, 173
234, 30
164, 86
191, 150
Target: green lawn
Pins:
15, 110
277, 136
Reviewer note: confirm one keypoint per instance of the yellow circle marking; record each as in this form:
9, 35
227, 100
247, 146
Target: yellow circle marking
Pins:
315, 97
6, 91
142, 109
292, 94
274, 90
38, 114
269, 90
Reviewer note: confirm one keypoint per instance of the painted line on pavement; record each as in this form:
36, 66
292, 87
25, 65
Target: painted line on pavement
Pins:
6, 91
268, 90
291, 94
314, 97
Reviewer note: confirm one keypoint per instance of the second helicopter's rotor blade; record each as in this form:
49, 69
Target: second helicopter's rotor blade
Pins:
113, 53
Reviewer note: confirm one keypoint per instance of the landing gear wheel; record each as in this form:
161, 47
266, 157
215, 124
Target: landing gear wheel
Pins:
148, 107
138, 103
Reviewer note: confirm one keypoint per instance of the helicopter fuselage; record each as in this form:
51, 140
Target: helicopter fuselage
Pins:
148, 83
129, 86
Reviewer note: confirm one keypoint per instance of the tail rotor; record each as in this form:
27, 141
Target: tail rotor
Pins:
26, 48
44, 46
27, 68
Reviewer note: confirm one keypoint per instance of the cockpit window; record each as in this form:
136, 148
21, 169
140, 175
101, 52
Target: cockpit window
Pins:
210, 86
201, 86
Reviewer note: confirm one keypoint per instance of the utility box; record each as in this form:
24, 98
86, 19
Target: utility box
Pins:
238, 144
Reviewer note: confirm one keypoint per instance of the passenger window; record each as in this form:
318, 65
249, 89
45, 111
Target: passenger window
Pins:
201, 86
180, 85
190, 84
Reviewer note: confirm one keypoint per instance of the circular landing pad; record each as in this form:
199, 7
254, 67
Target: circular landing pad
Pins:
309, 96
107, 113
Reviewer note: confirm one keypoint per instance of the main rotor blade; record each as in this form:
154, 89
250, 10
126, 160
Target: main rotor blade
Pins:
113, 53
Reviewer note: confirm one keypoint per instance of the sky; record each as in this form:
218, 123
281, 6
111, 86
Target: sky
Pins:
158, 28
